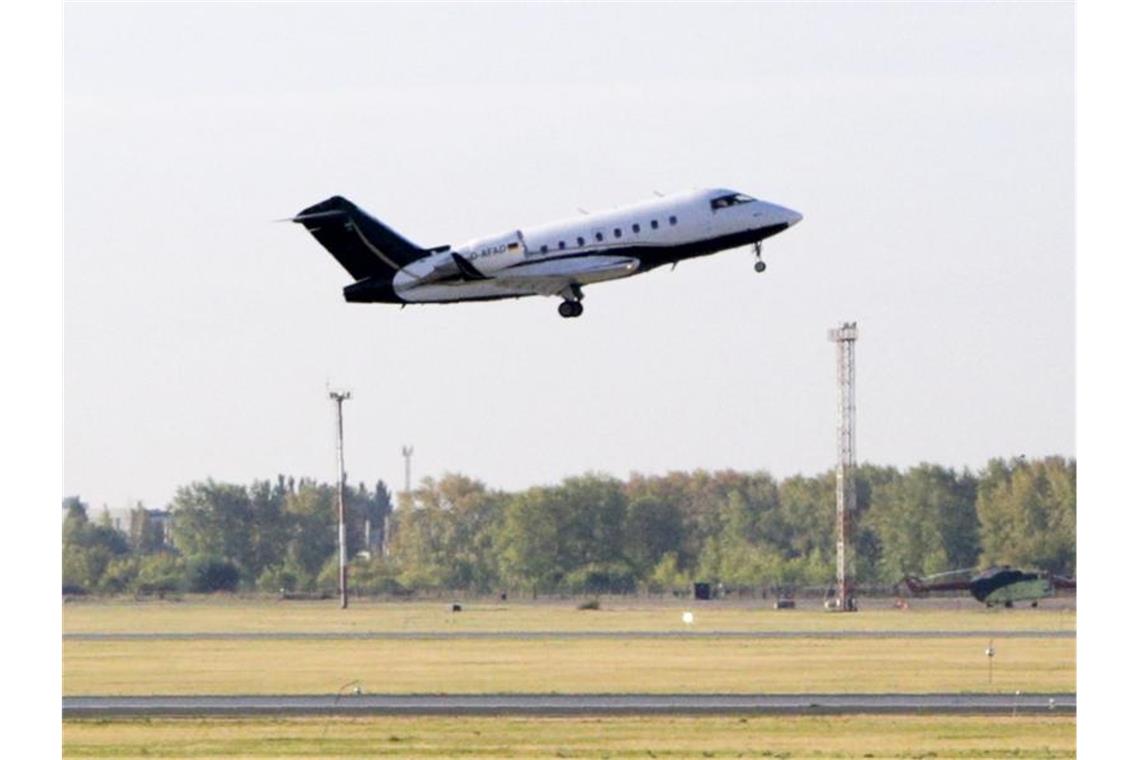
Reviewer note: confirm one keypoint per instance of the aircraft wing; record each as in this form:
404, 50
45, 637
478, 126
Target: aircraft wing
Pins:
552, 277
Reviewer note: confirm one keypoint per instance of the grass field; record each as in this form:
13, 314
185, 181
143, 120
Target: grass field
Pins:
566, 665
783, 737
599, 665
260, 615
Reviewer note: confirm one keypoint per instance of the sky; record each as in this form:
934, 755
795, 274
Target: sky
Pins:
930, 149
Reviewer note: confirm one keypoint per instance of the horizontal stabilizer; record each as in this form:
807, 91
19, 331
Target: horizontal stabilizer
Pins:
467, 269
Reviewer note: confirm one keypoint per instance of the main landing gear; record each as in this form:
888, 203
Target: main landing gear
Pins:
759, 266
570, 309
571, 306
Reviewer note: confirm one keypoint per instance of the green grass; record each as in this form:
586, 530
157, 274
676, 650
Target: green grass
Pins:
245, 615
566, 665
645, 737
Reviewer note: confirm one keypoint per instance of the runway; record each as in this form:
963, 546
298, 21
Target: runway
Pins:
569, 704
538, 635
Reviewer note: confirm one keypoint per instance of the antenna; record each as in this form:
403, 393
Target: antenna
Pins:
339, 397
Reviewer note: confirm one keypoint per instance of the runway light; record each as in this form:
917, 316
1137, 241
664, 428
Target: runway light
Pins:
687, 617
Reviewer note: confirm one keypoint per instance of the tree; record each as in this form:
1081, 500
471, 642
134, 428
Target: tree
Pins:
465, 518
208, 574
593, 507
530, 543
667, 576
1028, 513
419, 546
367, 512
926, 522
217, 520
89, 549
312, 519
807, 508
653, 528
160, 574
270, 527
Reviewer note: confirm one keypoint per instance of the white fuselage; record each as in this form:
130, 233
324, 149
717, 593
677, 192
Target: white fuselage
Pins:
546, 259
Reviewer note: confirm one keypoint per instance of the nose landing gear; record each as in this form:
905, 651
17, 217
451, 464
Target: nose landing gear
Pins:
759, 266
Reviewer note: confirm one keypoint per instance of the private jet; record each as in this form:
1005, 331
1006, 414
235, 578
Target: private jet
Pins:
556, 259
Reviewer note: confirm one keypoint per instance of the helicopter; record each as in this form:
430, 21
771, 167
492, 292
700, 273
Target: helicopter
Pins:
999, 585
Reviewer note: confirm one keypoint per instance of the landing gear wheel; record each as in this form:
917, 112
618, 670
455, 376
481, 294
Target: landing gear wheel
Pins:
759, 266
570, 309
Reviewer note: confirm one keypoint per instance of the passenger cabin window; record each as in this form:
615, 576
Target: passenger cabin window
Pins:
653, 223
598, 236
617, 232
562, 245
672, 220
734, 199
581, 241
544, 249
637, 228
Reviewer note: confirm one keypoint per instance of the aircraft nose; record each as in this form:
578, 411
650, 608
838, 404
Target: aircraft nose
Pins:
787, 215
774, 214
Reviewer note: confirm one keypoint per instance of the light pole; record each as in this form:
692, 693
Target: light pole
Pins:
407, 452
340, 397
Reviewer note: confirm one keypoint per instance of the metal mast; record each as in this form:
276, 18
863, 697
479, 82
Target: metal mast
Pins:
340, 397
844, 338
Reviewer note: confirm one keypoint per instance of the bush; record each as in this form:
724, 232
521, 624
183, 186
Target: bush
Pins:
590, 604
374, 577
160, 574
667, 576
208, 574
602, 578
278, 579
328, 579
119, 575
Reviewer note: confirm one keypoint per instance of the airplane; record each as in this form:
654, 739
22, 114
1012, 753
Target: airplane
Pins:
556, 259
1002, 585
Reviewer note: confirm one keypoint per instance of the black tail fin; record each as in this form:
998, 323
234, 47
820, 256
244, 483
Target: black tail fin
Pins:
362, 245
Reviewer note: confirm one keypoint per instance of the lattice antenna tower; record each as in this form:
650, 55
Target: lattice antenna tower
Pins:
844, 338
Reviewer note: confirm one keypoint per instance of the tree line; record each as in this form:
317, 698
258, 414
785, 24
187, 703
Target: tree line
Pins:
588, 534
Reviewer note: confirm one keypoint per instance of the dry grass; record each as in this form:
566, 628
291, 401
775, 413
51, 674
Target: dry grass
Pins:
784, 737
566, 666
240, 615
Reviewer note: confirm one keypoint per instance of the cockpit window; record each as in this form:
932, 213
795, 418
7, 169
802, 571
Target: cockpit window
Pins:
735, 199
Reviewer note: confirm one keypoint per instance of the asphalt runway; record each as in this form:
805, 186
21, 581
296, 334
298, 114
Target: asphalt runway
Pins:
527, 635
569, 704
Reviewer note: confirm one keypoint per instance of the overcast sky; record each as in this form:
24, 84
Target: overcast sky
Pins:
930, 149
